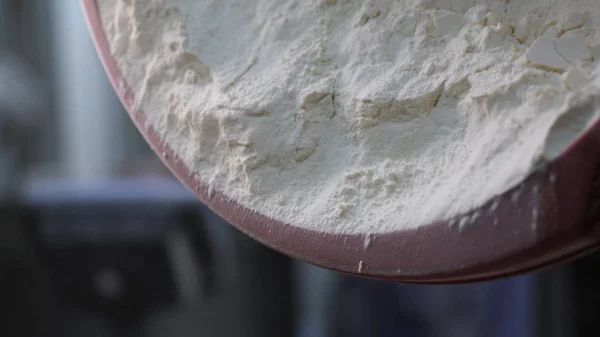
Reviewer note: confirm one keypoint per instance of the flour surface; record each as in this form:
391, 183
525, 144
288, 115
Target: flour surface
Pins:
361, 116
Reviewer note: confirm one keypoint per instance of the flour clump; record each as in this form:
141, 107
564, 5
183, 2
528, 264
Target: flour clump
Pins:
355, 116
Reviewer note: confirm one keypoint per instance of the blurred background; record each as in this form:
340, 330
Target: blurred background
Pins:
98, 239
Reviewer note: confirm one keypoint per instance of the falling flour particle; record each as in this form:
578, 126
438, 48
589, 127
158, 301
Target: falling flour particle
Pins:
516, 195
368, 241
464, 222
474, 217
353, 116
495, 205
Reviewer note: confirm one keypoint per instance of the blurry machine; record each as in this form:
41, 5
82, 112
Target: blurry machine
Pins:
135, 258
121, 254
119, 251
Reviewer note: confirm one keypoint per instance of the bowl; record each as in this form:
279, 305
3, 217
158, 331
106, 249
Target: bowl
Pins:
551, 216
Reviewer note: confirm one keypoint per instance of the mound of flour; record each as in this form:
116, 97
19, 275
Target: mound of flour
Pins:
360, 116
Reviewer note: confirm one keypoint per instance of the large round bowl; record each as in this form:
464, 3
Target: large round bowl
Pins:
551, 216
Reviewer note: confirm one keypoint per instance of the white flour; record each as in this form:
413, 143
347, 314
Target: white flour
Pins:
360, 116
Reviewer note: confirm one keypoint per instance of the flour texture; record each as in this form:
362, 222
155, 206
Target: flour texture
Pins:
365, 116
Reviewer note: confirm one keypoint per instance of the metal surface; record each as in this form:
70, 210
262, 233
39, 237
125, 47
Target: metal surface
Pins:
505, 237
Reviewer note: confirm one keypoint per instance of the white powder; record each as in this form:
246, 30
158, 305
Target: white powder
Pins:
360, 116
